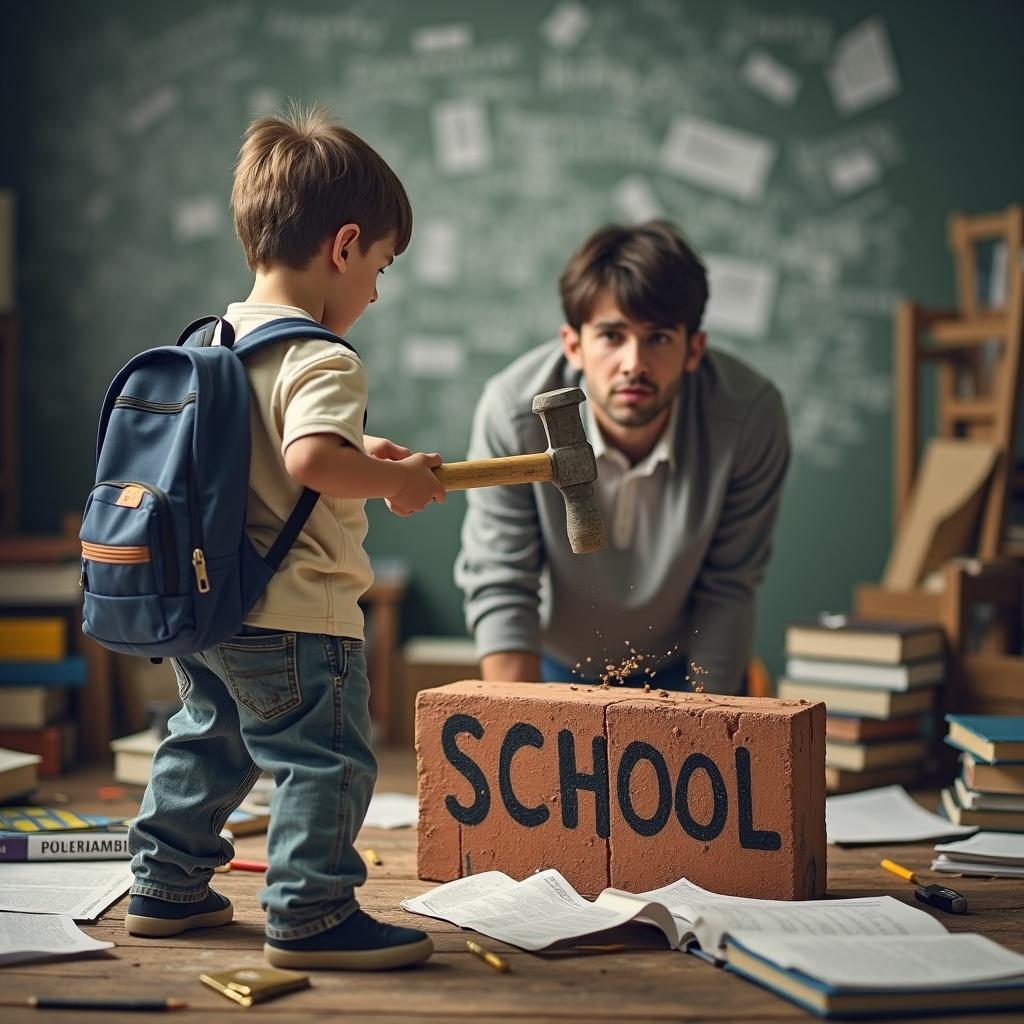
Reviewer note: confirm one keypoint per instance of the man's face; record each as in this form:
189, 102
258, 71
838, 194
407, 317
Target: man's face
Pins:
633, 370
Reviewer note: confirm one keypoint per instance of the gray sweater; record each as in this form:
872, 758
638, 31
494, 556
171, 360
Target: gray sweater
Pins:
525, 590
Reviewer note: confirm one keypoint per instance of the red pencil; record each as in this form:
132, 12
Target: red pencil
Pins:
247, 865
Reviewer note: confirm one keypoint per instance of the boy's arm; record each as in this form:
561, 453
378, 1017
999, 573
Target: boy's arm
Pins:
329, 464
720, 609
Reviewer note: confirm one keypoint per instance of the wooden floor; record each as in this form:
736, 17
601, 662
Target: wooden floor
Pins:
643, 984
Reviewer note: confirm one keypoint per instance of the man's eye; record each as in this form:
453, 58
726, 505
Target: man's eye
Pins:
611, 335
660, 339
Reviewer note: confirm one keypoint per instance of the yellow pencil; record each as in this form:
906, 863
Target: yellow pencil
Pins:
898, 869
489, 958
371, 857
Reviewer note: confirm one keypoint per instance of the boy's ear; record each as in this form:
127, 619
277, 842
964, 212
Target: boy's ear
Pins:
696, 346
344, 239
570, 338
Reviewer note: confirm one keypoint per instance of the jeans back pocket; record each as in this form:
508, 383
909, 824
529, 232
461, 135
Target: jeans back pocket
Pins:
262, 672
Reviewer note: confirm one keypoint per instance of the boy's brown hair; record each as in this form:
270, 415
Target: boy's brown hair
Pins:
651, 270
299, 177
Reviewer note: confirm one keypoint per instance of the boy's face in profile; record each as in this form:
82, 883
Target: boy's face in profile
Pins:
633, 370
354, 288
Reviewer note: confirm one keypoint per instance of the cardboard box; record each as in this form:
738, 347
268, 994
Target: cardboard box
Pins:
623, 788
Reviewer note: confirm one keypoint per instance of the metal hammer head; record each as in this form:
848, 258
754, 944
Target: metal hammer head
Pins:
574, 468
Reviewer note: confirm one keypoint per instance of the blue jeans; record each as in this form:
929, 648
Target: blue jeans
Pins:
295, 705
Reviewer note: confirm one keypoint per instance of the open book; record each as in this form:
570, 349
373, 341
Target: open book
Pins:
872, 953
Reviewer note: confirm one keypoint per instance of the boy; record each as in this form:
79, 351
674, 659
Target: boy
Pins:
319, 215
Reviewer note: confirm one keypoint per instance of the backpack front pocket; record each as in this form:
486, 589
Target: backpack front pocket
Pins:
128, 545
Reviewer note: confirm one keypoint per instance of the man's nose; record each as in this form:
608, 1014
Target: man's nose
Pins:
632, 355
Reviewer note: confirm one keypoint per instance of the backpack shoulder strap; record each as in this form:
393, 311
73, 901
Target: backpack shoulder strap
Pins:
200, 333
284, 329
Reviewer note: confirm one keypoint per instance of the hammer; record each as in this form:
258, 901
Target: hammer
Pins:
568, 463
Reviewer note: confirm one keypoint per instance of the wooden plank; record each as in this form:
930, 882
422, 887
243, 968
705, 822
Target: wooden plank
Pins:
974, 331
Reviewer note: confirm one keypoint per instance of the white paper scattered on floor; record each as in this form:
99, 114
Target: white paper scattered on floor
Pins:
544, 908
996, 854
863, 70
718, 157
885, 815
392, 810
534, 913
979, 869
1003, 846
25, 937
79, 889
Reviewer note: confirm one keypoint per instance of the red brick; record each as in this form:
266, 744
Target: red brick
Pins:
781, 749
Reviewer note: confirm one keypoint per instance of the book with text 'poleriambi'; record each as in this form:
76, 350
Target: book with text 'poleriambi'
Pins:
100, 844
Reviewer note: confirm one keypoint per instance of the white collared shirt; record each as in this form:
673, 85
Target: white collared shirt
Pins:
631, 497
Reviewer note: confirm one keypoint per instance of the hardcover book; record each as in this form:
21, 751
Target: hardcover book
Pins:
869, 676
992, 738
855, 700
846, 639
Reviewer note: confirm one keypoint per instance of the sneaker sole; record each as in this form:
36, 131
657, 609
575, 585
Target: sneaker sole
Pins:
161, 927
350, 960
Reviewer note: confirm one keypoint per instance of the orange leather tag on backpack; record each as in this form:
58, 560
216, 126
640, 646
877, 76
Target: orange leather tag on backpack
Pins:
130, 496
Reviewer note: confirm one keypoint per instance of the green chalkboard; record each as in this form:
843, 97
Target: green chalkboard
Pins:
810, 150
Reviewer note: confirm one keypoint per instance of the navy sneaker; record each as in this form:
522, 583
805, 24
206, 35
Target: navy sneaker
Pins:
359, 943
156, 919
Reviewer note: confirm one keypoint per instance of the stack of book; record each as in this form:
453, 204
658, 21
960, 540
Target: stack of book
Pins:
989, 792
992, 854
877, 680
36, 673
19, 774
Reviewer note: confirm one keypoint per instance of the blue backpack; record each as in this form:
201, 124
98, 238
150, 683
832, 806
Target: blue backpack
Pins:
167, 567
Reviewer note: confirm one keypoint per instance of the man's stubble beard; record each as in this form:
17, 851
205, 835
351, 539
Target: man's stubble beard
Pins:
641, 417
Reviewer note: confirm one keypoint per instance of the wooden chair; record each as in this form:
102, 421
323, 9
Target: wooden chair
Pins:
977, 350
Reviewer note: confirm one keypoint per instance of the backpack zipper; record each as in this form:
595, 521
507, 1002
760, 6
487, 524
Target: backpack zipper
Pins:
198, 558
166, 538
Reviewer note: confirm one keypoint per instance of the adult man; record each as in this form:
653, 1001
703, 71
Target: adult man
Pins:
692, 449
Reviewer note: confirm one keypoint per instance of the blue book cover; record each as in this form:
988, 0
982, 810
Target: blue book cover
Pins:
852, 1003
70, 671
994, 728
992, 739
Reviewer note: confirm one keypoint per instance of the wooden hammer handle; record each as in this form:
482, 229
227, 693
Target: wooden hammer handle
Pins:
511, 469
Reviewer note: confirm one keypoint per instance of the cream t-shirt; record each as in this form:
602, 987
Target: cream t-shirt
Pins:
302, 388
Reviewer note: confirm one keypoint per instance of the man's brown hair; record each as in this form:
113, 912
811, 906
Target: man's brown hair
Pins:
299, 177
651, 270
